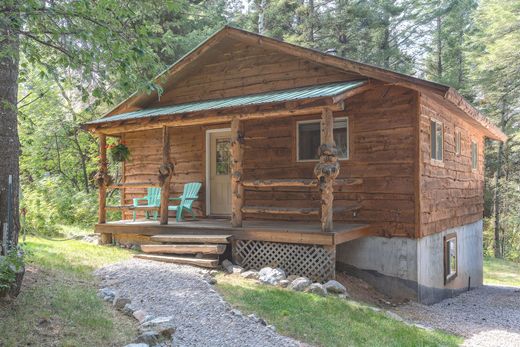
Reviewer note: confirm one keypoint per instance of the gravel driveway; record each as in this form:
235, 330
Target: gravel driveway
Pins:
200, 314
487, 316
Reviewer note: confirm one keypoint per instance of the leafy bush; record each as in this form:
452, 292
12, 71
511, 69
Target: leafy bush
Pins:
49, 202
10, 266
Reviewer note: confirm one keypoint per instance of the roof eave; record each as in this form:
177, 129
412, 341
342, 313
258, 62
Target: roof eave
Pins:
490, 130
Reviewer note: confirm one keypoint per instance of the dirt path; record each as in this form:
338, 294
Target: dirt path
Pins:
201, 316
488, 316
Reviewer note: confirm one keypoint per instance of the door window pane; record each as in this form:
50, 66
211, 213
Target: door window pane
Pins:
223, 157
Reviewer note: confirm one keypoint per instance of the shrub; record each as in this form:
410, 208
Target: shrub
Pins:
11, 271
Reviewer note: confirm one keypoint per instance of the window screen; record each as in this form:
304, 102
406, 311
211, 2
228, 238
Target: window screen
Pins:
309, 139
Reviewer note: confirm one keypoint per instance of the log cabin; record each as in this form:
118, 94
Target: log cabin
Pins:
308, 161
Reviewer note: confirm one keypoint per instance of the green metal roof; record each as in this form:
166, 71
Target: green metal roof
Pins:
324, 90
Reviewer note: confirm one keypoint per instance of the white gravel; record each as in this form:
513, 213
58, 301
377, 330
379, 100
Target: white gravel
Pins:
202, 317
486, 316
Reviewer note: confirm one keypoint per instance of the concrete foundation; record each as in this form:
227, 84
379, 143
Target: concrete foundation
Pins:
414, 269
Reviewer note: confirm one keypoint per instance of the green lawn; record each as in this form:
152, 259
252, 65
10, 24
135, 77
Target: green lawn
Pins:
325, 321
58, 305
501, 272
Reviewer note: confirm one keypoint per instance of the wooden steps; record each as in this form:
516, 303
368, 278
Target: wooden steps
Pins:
195, 249
185, 249
208, 263
186, 238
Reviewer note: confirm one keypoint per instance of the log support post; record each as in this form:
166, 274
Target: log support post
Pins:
102, 180
237, 189
165, 175
327, 169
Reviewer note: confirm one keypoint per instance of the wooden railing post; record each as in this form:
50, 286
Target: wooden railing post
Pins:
237, 189
103, 179
327, 169
165, 175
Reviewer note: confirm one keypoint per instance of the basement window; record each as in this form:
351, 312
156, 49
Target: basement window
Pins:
436, 137
474, 155
308, 138
450, 257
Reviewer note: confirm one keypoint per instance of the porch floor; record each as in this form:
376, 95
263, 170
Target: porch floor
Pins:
260, 230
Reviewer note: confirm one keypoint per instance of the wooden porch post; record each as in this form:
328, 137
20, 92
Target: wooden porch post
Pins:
102, 178
327, 169
165, 175
237, 189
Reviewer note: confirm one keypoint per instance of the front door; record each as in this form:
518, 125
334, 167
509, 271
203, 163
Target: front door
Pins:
220, 173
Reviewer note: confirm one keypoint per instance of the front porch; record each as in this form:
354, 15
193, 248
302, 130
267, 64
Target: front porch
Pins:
299, 248
259, 230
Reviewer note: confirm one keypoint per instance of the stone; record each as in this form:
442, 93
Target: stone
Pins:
317, 288
137, 345
161, 325
107, 293
128, 310
271, 276
236, 312
136, 247
213, 273
283, 283
272, 327
228, 266
149, 338
334, 287
394, 316
291, 278
237, 270
139, 315
300, 284
210, 279
250, 274
119, 302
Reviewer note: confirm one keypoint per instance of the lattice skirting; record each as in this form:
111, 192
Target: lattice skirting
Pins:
312, 261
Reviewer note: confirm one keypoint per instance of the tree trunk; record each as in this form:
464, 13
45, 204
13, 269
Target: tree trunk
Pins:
439, 47
9, 143
497, 193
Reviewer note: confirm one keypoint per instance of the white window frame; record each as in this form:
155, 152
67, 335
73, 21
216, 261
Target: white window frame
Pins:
475, 145
458, 142
309, 121
442, 141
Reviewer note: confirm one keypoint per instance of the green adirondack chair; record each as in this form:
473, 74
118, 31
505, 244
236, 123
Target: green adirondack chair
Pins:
189, 195
153, 199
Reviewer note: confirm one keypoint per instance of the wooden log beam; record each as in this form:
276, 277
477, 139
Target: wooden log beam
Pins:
131, 208
165, 175
134, 185
206, 118
102, 180
237, 189
305, 183
280, 210
327, 169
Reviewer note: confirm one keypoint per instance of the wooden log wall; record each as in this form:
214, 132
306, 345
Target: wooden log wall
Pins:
242, 69
382, 150
187, 153
451, 192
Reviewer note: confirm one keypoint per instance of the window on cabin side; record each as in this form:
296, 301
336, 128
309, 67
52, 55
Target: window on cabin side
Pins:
458, 144
450, 257
309, 139
436, 139
474, 155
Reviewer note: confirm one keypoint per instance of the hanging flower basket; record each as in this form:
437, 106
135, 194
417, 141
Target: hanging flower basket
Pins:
119, 153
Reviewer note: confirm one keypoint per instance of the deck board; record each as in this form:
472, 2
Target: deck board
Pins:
273, 231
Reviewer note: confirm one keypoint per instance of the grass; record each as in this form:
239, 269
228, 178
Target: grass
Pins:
58, 305
501, 272
325, 321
